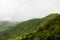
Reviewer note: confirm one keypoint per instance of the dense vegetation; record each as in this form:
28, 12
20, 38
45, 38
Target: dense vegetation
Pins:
47, 28
6, 24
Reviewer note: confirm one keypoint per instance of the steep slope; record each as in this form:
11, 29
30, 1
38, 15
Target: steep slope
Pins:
21, 29
42, 32
47, 28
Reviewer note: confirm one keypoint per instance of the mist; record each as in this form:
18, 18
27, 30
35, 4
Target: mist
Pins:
21, 10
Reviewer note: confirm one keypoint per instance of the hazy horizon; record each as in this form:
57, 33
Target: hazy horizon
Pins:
20, 10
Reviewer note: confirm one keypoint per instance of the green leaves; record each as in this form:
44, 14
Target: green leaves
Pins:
47, 28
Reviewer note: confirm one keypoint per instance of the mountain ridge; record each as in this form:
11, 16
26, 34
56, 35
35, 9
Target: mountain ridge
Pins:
35, 29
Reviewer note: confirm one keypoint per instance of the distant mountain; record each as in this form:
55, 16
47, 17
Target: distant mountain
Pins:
47, 28
6, 24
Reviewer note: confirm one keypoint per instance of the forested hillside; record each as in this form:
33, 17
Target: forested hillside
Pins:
6, 24
21, 29
47, 28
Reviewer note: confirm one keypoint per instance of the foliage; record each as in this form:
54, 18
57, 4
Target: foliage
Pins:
47, 28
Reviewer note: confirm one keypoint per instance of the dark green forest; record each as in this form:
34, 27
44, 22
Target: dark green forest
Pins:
46, 28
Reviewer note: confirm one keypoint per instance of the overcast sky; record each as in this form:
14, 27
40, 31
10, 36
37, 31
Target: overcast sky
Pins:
20, 10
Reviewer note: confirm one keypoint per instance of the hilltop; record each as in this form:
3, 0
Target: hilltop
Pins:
47, 28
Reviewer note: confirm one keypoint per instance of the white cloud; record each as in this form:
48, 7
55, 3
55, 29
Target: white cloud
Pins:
5, 19
27, 9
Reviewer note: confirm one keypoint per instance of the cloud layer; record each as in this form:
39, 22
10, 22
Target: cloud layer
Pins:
19, 10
